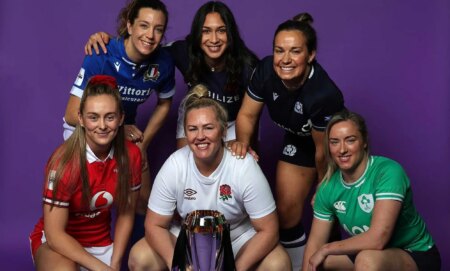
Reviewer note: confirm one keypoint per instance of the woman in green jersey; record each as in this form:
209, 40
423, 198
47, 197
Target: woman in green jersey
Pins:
371, 198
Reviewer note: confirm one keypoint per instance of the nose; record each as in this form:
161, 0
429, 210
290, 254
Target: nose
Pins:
213, 38
102, 124
150, 33
286, 58
200, 134
342, 148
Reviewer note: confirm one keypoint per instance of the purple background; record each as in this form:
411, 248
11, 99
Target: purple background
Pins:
390, 58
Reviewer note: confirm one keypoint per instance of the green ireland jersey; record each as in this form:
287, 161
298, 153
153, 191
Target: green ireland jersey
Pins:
353, 204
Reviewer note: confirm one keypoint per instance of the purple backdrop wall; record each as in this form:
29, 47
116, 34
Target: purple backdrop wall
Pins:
390, 58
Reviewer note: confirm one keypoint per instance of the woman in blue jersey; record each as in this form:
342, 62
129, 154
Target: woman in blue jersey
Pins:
140, 67
300, 98
371, 198
212, 54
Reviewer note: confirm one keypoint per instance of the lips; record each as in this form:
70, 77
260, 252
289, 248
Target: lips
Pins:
202, 146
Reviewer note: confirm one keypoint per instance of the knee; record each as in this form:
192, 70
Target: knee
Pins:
367, 260
277, 260
138, 261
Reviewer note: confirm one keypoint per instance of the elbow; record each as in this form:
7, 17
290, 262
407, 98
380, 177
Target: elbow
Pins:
380, 240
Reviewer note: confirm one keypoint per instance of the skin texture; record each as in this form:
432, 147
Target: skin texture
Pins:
347, 149
214, 39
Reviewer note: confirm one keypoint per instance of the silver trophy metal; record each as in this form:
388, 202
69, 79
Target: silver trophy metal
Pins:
204, 243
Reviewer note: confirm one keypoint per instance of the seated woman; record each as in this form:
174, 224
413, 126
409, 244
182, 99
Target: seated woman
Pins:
371, 198
192, 178
93, 169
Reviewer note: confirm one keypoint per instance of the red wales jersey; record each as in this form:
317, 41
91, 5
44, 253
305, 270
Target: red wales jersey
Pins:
90, 224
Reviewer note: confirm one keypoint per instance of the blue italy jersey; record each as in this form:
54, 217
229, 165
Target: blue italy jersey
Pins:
135, 81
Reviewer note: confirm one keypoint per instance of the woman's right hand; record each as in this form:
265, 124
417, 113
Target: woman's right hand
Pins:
96, 41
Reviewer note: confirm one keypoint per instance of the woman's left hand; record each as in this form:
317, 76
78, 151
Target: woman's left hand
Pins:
316, 260
133, 133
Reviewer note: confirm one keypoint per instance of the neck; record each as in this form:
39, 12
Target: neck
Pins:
215, 65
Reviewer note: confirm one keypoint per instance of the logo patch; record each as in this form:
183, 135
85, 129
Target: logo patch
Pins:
366, 202
80, 77
307, 127
152, 73
298, 108
225, 192
51, 179
117, 65
275, 96
100, 200
289, 150
189, 192
340, 206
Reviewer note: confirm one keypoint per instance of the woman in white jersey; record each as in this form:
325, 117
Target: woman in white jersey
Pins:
370, 197
204, 175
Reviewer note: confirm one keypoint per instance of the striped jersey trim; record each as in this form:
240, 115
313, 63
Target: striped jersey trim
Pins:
323, 216
55, 202
394, 196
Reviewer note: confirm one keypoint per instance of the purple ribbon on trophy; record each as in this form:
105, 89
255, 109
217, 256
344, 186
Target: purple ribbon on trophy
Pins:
204, 243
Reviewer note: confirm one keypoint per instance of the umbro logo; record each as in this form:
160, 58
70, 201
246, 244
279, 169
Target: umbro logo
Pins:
117, 65
340, 206
189, 193
275, 96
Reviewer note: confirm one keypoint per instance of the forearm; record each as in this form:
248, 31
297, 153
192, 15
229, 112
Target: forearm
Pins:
245, 125
123, 228
156, 121
311, 248
160, 240
258, 247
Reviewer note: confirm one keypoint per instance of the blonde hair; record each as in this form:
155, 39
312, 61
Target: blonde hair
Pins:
198, 98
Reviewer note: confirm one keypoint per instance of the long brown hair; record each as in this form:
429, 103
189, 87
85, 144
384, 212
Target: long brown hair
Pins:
69, 160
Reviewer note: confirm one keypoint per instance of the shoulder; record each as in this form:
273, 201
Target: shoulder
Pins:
321, 80
384, 163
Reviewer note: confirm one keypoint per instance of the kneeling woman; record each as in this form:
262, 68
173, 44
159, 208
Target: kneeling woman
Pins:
90, 171
194, 178
370, 196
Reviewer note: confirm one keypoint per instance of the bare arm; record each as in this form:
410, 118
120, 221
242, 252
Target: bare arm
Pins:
123, 227
156, 121
55, 222
245, 124
320, 232
96, 41
381, 227
260, 244
158, 236
72, 108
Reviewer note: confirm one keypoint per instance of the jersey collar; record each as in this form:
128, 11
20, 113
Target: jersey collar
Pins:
91, 157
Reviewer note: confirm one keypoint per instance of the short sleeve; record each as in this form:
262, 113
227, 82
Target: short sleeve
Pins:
322, 209
167, 86
163, 195
63, 191
392, 182
256, 193
135, 165
91, 66
258, 77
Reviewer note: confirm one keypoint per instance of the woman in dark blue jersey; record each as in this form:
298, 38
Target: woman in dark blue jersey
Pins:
300, 98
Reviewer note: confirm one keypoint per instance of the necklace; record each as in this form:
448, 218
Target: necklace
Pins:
212, 69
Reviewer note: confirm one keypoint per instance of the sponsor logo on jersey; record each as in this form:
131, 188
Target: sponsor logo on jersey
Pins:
327, 118
307, 127
51, 179
117, 65
225, 192
366, 202
340, 206
80, 77
152, 73
289, 150
189, 193
275, 96
298, 108
100, 200
223, 99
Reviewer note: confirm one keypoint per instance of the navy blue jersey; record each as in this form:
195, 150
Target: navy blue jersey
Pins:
296, 111
135, 81
214, 81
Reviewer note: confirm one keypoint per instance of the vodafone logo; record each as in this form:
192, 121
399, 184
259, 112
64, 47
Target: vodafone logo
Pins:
102, 199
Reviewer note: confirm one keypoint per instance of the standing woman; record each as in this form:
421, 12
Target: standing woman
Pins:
214, 55
300, 97
90, 171
371, 198
141, 67
195, 177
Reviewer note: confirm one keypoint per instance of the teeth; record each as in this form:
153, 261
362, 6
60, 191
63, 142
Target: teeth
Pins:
287, 68
202, 146
214, 48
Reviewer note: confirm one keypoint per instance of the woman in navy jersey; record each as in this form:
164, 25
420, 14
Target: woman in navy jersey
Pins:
141, 67
300, 97
92, 170
212, 54
371, 198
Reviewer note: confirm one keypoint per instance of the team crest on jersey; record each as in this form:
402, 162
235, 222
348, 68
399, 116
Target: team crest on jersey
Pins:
80, 77
152, 73
366, 202
225, 192
289, 150
307, 127
298, 108
101, 200
51, 179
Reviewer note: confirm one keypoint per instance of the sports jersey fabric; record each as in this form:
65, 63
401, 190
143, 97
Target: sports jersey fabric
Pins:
237, 188
353, 204
90, 224
136, 82
296, 111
